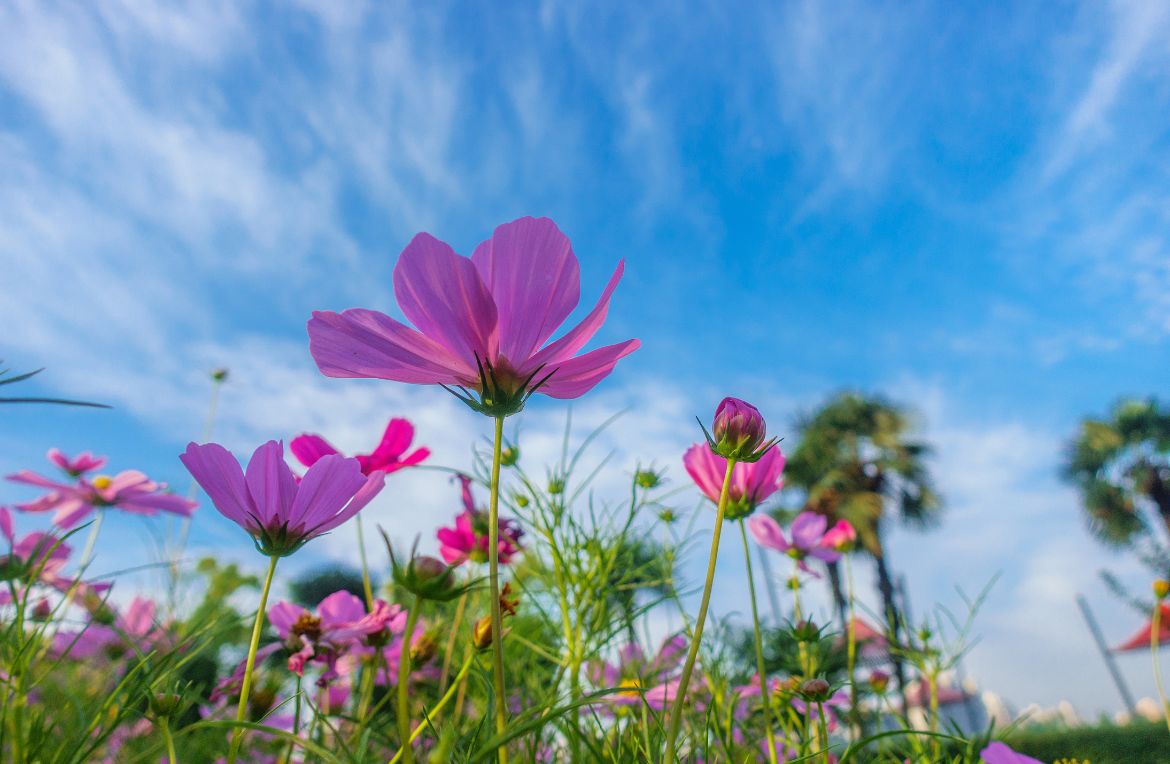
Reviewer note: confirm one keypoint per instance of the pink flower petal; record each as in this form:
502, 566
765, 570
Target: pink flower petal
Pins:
219, 475
577, 337
308, 448
577, 376
767, 532
706, 469
271, 484
442, 294
534, 279
283, 615
361, 343
807, 529
324, 490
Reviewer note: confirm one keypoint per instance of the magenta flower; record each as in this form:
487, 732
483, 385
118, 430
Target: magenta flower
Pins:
838, 701
841, 537
751, 482
78, 465
279, 513
340, 624
469, 539
481, 322
808, 537
129, 491
38, 558
1001, 753
387, 457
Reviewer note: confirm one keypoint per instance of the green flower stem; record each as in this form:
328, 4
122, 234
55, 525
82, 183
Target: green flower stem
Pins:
688, 667
246, 687
456, 622
366, 587
932, 683
165, 725
765, 700
91, 541
823, 727
403, 712
434, 712
851, 646
1155, 632
494, 585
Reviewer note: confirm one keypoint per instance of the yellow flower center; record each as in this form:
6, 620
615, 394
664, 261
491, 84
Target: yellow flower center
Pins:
102, 482
634, 686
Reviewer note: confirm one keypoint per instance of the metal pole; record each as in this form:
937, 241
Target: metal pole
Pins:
1106, 655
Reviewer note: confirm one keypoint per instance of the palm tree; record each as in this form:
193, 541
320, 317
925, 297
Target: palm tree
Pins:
857, 460
1121, 464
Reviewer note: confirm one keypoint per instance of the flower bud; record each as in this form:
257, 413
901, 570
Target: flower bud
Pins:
427, 577
879, 681
647, 479
423, 648
556, 486
481, 633
738, 431
815, 689
520, 500
42, 611
806, 631
219, 375
509, 455
1161, 588
165, 704
667, 516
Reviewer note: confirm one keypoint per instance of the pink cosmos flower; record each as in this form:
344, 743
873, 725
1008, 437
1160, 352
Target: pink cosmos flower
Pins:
838, 701
751, 482
841, 537
133, 630
808, 532
129, 491
634, 671
341, 622
279, 513
387, 457
1001, 753
481, 322
469, 539
78, 465
39, 557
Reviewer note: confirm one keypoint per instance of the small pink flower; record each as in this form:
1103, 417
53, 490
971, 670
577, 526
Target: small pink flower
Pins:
482, 322
340, 624
389, 455
133, 630
41, 557
655, 676
130, 491
841, 537
1001, 753
278, 512
751, 482
469, 539
808, 532
78, 465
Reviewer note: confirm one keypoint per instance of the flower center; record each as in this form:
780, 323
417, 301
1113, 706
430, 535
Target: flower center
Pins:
633, 684
308, 626
102, 482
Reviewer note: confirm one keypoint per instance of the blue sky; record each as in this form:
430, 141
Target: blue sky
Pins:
962, 208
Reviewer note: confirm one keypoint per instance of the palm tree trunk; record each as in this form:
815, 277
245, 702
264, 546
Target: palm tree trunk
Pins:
893, 621
1159, 493
838, 593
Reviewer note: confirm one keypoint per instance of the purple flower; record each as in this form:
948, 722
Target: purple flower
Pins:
280, 513
341, 623
469, 539
635, 673
389, 456
1000, 753
481, 322
130, 491
738, 430
751, 482
38, 557
808, 537
133, 631
78, 465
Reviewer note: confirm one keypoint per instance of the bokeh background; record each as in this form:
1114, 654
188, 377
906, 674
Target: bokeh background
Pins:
964, 209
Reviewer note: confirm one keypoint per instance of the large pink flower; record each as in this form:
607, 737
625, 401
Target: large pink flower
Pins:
751, 482
389, 455
481, 322
130, 491
280, 513
469, 539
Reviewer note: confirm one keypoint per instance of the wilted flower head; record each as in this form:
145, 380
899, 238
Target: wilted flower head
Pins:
751, 482
470, 539
808, 537
389, 455
278, 512
481, 322
481, 632
738, 431
129, 490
